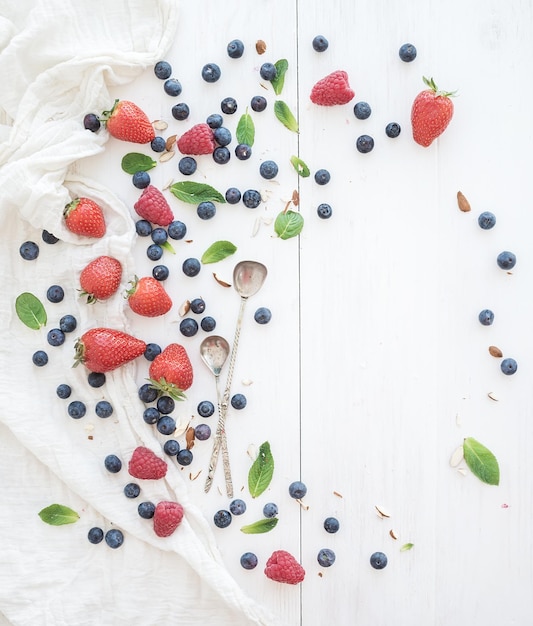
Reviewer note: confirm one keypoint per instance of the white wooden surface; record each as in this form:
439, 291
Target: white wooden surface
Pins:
374, 366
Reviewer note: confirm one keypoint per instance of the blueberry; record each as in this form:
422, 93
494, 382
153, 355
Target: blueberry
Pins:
68, 323
229, 106
154, 252
160, 272
233, 195
211, 72
132, 490
146, 510
222, 136
159, 235
39, 358
486, 317
63, 391
322, 177
143, 228
378, 560
258, 104
486, 220
141, 180
55, 337
103, 409
235, 49
326, 557
222, 518
184, 457
238, 401
208, 323
506, 260
95, 535
251, 198
55, 293
205, 408
191, 267
324, 211
172, 87
176, 230
202, 432
206, 210
48, 237
249, 560
114, 538
29, 250
237, 506
151, 415
392, 130
152, 350
268, 169
188, 327
91, 122
268, 71
166, 425
270, 509
362, 110
221, 155
112, 463
407, 52
147, 393
320, 43
180, 111
76, 409
331, 524
165, 405
197, 305
509, 366
365, 144
215, 120
243, 151
163, 70
187, 165
263, 315
297, 490
171, 447
158, 144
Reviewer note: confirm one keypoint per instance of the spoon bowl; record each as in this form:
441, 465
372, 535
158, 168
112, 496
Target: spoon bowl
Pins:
248, 277
214, 351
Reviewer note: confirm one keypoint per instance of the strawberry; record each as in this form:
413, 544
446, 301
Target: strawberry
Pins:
167, 517
148, 297
431, 113
105, 349
100, 279
146, 464
197, 140
332, 89
171, 371
84, 217
126, 121
153, 206
284, 568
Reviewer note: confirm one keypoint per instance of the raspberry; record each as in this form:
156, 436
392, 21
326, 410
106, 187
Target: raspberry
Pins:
145, 464
153, 207
333, 89
197, 140
167, 517
284, 568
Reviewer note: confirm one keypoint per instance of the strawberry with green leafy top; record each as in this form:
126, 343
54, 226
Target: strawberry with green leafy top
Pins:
127, 122
100, 279
431, 113
84, 216
148, 297
104, 349
171, 371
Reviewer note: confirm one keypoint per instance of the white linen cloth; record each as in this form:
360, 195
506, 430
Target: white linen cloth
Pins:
57, 60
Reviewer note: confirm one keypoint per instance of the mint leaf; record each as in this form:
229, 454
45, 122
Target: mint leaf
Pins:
218, 251
281, 66
262, 526
166, 245
300, 167
285, 116
261, 472
288, 224
245, 132
194, 193
30, 311
58, 514
481, 461
407, 546
137, 162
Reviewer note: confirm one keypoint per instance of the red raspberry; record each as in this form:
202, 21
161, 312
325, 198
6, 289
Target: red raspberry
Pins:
333, 89
197, 140
153, 206
145, 464
284, 568
167, 517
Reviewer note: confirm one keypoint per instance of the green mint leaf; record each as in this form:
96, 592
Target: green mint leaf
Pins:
166, 245
481, 461
218, 251
30, 311
262, 526
288, 224
285, 116
137, 162
281, 66
300, 167
407, 546
245, 132
194, 193
58, 514
261, 472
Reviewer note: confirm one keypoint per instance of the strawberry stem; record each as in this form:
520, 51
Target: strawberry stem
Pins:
165, 388
429, 82
107, 114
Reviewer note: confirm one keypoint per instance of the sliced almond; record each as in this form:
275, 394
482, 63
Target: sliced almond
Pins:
160, 125
256, 227
189, 437
492, 396
295, 198
461, 471
260, 46
393, 533
382, 512
170, 142
463, 203
247, 382
339, 495
184, 308
457, 456
166, 156
220, 281
494, 351
252, 451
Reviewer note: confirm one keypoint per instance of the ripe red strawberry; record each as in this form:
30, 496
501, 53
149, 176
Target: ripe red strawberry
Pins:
284, 568
100, 279
126, 121
333, 89
105, 349
84, 217
431, 113
197, 140
171, 371
167, 517
146, 464
148, 297
153, 206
